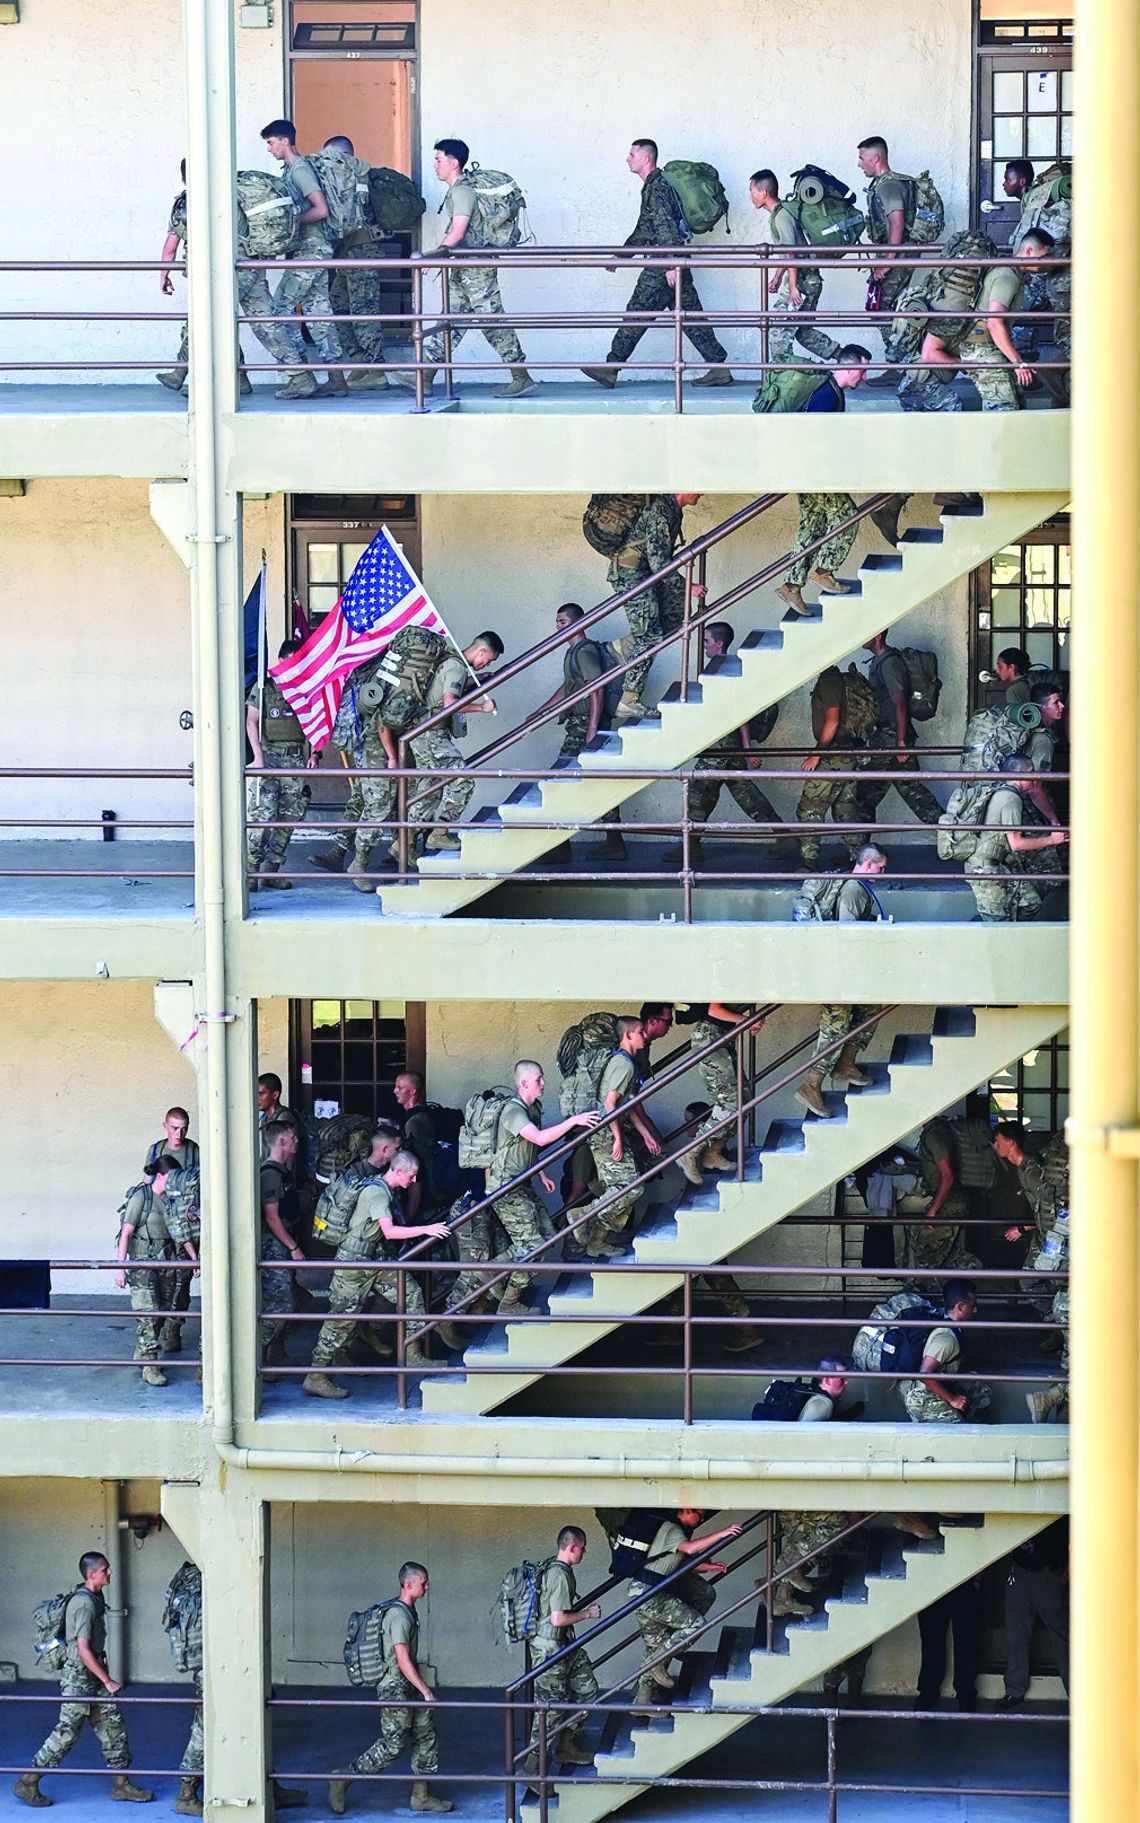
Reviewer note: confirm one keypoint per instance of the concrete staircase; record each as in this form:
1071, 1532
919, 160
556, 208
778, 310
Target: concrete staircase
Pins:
771, 662
882, 1580
927, 1072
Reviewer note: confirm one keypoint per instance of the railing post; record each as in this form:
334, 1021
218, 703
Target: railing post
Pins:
740, 1107
678, 344
402, 808
765, 275
686, 633
445, 306
832, 1769
770, 1591
509, 1788
752, 1079
401, 1341
543, 1765
686, 852
418, 331
687, 1346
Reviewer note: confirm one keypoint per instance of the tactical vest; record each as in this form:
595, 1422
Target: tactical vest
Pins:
279, 723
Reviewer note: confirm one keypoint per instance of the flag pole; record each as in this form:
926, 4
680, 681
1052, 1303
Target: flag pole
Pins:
261, 657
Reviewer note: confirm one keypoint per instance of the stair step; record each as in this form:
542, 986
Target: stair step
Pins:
881, 563
912, 1048
814, 613
974, 509
727, 666
740, 1657
955, 1022
662, 1227
762, 639
673, 694
923, 534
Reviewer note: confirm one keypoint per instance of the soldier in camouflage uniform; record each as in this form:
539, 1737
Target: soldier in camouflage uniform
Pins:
894, 728
1051, 288
144, 1235
800, 1534
356, 1293
982, 340
1004, 849
734, 752
929, 1399
820, 517
660, 607
572, 1680
276, 738
612, 1145
958, 1168
84, 1676
794, 291
837, 741
358, 291
854, 904
306, 287
276, 1239
1042, 1166
443, 801
664, 1620
400, 1683
173, 248
660, 223
1055, 1398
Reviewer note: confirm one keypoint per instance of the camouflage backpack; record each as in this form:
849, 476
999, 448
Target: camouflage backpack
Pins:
967, 804
182, 1617
817, 900
364, 1643
860, 704
826, 213
341, 1140
395, 202
479, 1134
940, 292
609, 519
699, 192
1050, 197
183, 1199
885, 1347
790, 388
399, 687
584, 1050
499, 204
993, 734
347, 730
49, 1618
269, 213
336, 1205
519, 1594
337, 178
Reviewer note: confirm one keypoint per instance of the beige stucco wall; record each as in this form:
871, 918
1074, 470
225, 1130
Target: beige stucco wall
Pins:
555, 107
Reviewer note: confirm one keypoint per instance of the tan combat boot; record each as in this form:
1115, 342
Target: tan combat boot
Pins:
661, 1677
188, 1803
269, 872
715, 1158
570, 1751
791, 593
333, 386
914, 1524
174, 379
153, 1375
744, 1338
357, 868
1041, 1405
423, 1800
415, 1355
330, 860
846, 1069
810, 1093
786, 1604
297, 386
690, 1167
371, 379
321, 1387
604, 376
27, 1789
125, 1791
400, 377
831, 584
338, 1793
452, 1338
520, 385
630, 708
716, 376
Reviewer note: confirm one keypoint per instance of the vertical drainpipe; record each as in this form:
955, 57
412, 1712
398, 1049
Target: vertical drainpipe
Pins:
1105, 1410
117, 1595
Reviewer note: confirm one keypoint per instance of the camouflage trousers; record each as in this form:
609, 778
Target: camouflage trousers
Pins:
703, 793
893, 331
105, 1718
925, 1407
572, 1681
481, 1238
989, 373
1012, 897
357, 292
475, 292
718, 1073
1061, 1315
345, 837
938, 1245
398, 1728
278, 1289
361, 1294
445, 799
850, 1670
377, 800
839, 796
281, 340
651, 615
307, 289
819, 516
835, 1022
274, 801
613, 1174
654, 292
799, 328
193, 1760
917, 797
801, 1533
664, 1620
151, 1292
526, 1224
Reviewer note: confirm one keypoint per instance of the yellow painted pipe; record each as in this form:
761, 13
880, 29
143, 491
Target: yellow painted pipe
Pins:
1105, 1408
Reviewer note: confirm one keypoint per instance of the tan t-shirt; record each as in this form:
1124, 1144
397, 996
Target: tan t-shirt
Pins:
1003, 812
513, 1153
663, 1557
450, 678
785, 233
620, 1073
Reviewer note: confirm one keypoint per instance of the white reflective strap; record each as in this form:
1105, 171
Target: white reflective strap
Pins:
274, 202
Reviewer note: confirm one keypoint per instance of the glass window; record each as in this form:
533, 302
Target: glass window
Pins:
1009, 139
1042, 92
354, 1050
1066, 136
1041, 137
1067, 91
1009, 91
322, 563
1036, 1089
1023, 598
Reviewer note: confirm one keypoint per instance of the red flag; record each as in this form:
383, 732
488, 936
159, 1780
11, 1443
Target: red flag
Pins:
301, 628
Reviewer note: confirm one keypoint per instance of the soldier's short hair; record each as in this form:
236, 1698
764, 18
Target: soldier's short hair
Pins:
161, 1166
876, 143
1016, 656
627, 1024
409, 1570
696, 1110
280, 129
287, 647
958, 1291
403, 1160
492, 640
869, 852
454, 148
176, 1114
1040, 237
722, 631
416, 1076
1021, 167
1041, 692
273, 1129
525, 1066
570, 1534
340, 142
271, 1081
648, 145
766, 180
89, 1561
832, 1364
654, 1009
1012, 1129
385, 1129
851, 352
1017, 762
573, 610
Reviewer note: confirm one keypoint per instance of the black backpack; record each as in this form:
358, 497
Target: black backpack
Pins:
631, 1541
782, 1403
902, 1348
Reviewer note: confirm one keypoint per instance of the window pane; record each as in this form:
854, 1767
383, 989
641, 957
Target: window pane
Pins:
1041, 140
323, 599
1042, 97
1006, 608
1064, 608
358, 1009
1039, 605
1066, 136
1064, 563
1041, 649
350, 557
1063, 1068
1009, 141
322, 563
1006, 566
1009, 91
1040, 562
326, 1013
358, 1063
1067, 91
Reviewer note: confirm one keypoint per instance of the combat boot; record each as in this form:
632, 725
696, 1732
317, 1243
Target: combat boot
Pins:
799, 1581
321, 1387
715, 1158
630, 708
1042, 1405
297, 386
330, 860
746, 1337
188, 1803
275, 1355
171, 1338
357, 868
400, 377
571, 1752
886, 520
453, 1339
810, 1093
153, 1375
333, 386
914, 1524
423, 1800
716, 376
846, 1069
371, 1340
832, 585
289, 1797
661, 1677
371, 379
611, 848
791, 593
690, 1167
441, 842
245, 386
269, 872
604, 376
125, 1791
338, 1793
510, 1303
645, 1690
27, 1789
785, 1605
174, 379
521, 384
416, 1355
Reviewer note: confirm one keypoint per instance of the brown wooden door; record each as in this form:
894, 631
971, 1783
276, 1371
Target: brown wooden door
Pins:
1025, 110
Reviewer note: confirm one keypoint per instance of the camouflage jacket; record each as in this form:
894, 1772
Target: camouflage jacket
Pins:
1044, 1179
659, 221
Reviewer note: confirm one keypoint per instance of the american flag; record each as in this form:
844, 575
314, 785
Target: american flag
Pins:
382, 595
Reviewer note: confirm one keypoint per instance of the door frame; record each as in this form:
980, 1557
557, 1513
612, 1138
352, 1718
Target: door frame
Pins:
982, 51
383, 55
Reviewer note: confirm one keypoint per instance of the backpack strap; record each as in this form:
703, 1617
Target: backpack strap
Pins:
878, 902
